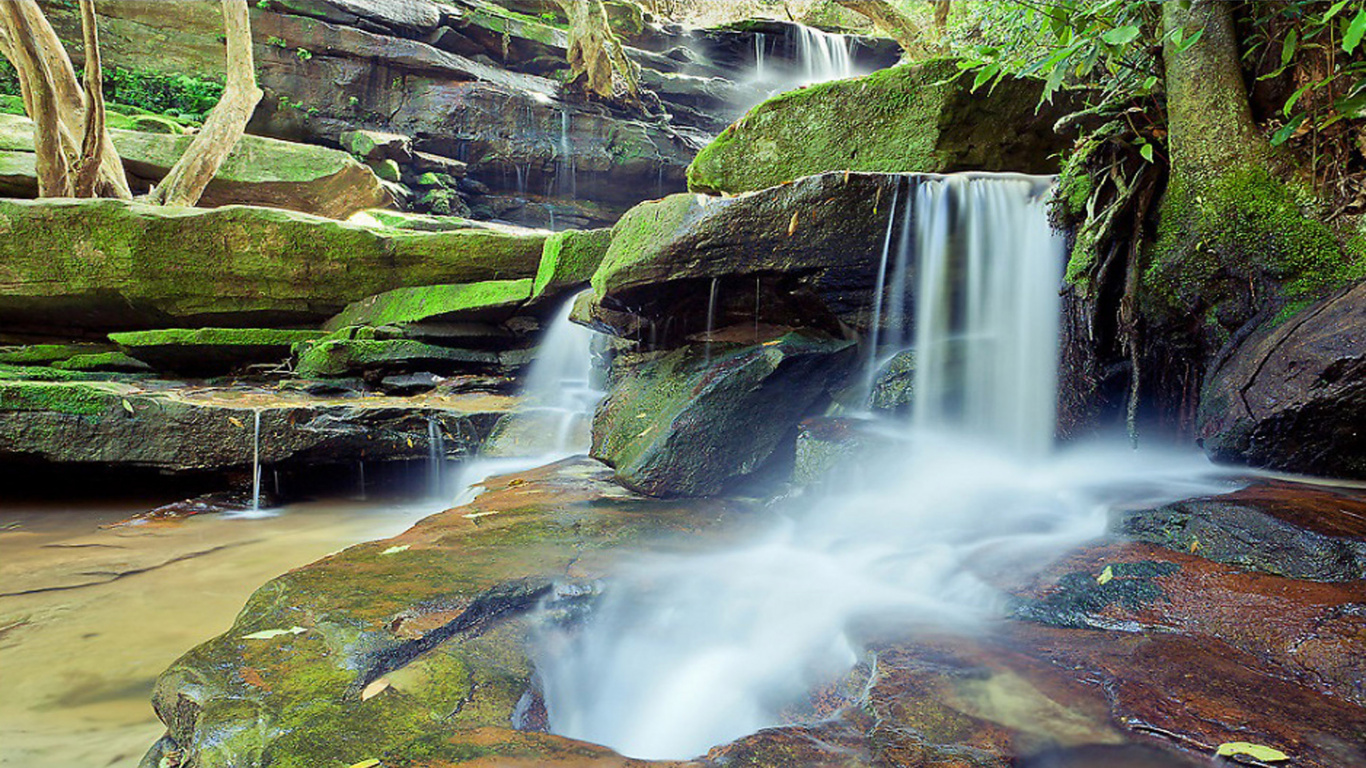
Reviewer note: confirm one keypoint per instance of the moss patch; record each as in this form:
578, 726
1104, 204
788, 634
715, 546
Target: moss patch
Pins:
43, 354
340, 357
638, 235
411, 305
570, 258
213, 337
61, 397
916, 117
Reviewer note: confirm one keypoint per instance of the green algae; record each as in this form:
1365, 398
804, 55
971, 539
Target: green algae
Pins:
570, 258
61, 397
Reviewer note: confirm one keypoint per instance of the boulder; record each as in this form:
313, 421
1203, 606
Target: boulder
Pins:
569, 260
918, 117
483, 301
259, 171
373, 146
209, 351
416, 645
334, 357
696, 420
108, 265
47, 354
180, 429
801, 254
1292, 396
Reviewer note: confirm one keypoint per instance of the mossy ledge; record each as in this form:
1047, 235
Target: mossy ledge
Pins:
915, 117
110, 265
430, 302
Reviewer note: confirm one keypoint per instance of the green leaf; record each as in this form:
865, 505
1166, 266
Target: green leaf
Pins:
1150, 82
1256, 751
984, 74
1108, 574
1288, 47
1185, 45
1294, 97
1283, 134
1147, 151
1121, 35
1352, 37
1334, 10
371, 763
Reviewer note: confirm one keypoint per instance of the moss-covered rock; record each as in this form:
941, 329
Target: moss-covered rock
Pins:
916, 117
696, 420
99, 362
569, 260
109, 265
259, 171
44, 354
347, 357
491, 299
210, 351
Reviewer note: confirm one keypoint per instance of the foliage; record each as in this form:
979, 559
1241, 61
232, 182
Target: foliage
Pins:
180, 95
9, 81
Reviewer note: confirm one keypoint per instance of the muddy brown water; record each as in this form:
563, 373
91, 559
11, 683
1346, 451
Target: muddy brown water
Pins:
89, 615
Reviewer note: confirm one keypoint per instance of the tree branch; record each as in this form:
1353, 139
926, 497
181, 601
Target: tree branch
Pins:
92, 142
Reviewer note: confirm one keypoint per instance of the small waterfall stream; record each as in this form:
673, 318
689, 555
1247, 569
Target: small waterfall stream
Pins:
684, 652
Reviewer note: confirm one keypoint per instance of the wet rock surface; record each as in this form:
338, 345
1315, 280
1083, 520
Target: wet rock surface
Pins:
1293, 395
695, 420
413, 648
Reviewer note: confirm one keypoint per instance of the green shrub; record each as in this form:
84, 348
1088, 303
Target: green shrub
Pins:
187, 96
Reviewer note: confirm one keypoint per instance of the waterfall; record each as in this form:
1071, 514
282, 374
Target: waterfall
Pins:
436, 455
711, 318
760, 43
681, 653
256, 461
824, 56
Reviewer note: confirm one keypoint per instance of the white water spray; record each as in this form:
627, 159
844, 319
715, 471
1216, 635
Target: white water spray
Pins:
682, 653
824, 56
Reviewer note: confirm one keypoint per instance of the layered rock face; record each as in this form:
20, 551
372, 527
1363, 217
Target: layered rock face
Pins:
1292, 396
470, 86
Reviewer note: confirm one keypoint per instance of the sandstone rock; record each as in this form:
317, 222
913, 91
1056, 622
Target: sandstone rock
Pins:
209, 351
259, 171
174, 429
1292, 396
919, 117
488, 300
569, 260
349, 357
107, 265
377, 145
694, 421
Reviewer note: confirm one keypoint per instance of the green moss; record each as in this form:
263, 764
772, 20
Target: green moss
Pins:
638, 233
340, 357
76, 399
101, 361
915, 117
411, 305
213, 337
43, 354
1243, 228
387, 170
570, 258
11, 105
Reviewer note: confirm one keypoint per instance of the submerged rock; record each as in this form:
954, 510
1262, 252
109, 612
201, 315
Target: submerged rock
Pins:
693, 421
1293, 395
918, 117
108, 265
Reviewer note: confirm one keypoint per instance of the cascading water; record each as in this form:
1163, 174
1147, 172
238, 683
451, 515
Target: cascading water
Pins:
436, 456
681, 653
824, 56
256, 461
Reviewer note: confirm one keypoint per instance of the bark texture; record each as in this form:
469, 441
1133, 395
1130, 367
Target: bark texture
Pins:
896, 24
596, 58
224, 126
92, 142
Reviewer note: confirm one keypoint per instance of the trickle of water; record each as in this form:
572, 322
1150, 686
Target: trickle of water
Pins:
436, 455
682, 653
879, 290
760, 46
256, 461
711, 318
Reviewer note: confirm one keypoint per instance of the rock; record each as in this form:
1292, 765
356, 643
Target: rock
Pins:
259, 171
488, 300
46, 354
415, 644
108, 265
894, 383
919, 117
101, 362
1286, 529
426, 161
373, 146
410, 383
155, 124
804, 254
693, 422
209, 351
1292, 396
569, 260
180, 429
347, 357
387, 170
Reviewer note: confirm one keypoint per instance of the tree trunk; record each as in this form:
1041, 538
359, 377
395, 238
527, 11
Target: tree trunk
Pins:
894, 23
595, 55
224, 126
42, 63
92, 142
52, 154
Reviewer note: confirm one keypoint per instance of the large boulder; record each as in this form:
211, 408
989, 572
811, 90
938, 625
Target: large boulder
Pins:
919, 117
1292, 396
109, 265
258, 171
696, 420
802, 254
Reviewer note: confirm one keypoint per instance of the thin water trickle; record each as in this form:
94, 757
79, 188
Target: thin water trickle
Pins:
711, 318
760, 43
436, 456
682, 653
256, 461
879, 290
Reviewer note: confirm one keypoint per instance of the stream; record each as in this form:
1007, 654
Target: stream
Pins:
90, 614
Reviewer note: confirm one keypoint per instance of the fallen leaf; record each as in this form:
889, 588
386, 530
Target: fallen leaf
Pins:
395, 550
374, 689
267, 634
410, 442
127, 406
1257, 751
371, 763
1195, 545
1105, 576
792, 225
236, 422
